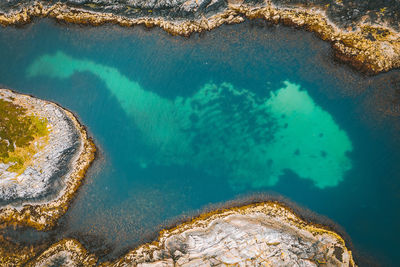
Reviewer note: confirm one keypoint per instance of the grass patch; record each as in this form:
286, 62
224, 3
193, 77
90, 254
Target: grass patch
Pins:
21, 135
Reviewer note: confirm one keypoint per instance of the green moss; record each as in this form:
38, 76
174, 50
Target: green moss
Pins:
18, 130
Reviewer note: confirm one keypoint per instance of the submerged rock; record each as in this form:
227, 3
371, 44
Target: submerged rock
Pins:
44, 155
263, 234
267, 136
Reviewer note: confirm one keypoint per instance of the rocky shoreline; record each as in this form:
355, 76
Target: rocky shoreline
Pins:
369, 47
262, 233
41, 193
67, 252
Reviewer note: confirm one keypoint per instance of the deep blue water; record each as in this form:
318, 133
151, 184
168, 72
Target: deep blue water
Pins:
131, 189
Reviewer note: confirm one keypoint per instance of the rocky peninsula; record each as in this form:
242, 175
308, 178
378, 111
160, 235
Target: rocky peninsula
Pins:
365, 36
44, 154
267, 234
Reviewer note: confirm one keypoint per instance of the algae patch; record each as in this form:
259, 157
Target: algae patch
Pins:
224, 130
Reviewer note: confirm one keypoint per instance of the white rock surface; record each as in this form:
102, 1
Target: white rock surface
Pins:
261, 235
63, 142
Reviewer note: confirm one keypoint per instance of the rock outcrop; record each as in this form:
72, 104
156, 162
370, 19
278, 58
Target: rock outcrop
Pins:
262, 234
50, 163
67, 252
370, 45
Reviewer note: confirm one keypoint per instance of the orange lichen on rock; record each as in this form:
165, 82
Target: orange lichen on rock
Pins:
71, 252
43, 214
372, 55
266, 233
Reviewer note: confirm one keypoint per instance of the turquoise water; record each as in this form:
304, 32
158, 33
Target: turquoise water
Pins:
223, 130
184, 123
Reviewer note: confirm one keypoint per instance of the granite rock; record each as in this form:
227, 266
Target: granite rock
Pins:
39, 195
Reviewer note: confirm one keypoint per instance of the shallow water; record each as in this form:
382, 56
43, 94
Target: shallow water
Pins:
184, 123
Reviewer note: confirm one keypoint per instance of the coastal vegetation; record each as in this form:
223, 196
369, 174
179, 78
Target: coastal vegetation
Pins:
38, 138
18, 131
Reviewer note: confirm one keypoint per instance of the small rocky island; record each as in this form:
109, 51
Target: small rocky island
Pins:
44, 154
261, 234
